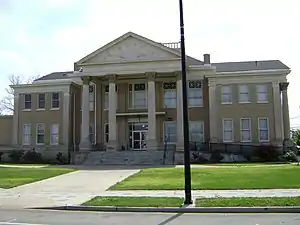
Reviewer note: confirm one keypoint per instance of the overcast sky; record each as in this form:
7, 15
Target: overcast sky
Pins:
42, 36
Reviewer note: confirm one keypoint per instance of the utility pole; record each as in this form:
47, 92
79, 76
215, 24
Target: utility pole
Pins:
187, 163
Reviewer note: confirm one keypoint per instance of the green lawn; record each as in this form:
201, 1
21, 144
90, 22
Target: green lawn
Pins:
12, 177
135, 201
247, 202
22, 164
247, 164
214, 178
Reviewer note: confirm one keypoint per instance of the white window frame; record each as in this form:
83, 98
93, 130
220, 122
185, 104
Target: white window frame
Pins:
169, 89
242, 92
195, 88
29, 102
38, 101
26, 134
132, 105
58, 100
224, 93
203, 130
260, 129
258, 92
54, 134
242, 130
37, 133
105, 133
106, 97
225, 130
164, 136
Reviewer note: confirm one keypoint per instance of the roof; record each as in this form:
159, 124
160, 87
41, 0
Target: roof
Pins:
55, 76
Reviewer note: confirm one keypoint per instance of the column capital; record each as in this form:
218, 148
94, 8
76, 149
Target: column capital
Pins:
150, 76
212, 83
86, 80
284, 86
112, 78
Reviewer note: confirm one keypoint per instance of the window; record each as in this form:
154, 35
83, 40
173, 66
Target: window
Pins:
262, 93
55, 100
196, 129
40, 133
137, 96
170, 95
245, 130
263, 129
243, 94
26, 134
92, 133
226, 95
170, 132
54, 134
195, 94
106, 97
92, 97
227, 130
41, 101
106, 133
27, 101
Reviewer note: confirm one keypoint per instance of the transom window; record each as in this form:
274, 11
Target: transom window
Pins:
196, 129
263, 129
195, 93
55, 100
170, 131
226, 95
40, 133
246, 130
27, 101
227, 130
244, 94
41, 101
262, 93
137, 96
170, 95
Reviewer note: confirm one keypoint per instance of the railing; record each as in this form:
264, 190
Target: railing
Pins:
175, 45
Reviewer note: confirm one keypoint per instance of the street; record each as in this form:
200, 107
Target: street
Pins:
39, 217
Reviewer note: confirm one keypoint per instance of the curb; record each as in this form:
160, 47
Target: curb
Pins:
178, 210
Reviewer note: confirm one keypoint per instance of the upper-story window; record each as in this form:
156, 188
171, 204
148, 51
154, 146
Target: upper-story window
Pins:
27, 101
137, 96
55, 100
262, 93
41, 101
195, 93
244, 94
170, 95
226, 97
106, 97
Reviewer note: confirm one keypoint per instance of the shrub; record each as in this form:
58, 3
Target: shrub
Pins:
268, 153
61, 158
16, 155
32, 157
290, 156
198, 158
1, 153
215, 157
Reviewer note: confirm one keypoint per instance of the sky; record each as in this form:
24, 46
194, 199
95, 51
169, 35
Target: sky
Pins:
42, 36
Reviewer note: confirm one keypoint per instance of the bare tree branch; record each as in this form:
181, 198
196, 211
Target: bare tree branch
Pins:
7, 102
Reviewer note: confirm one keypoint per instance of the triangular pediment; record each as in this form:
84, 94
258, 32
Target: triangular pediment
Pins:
131, 47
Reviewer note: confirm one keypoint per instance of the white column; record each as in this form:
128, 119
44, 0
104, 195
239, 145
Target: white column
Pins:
277, 113
66, 119
213, 128
16, 130
112, 111
285, 112
179, 107
151, 142
85, 143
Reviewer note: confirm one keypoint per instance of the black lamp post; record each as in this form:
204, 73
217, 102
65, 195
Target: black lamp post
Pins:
187, 163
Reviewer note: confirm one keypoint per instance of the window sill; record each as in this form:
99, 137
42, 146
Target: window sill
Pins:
264, 141
248, 141
226, 103
40, 144
54, 109
26, 110
244, 102
40, 109
262, 102
227, 141
198, 106
53, 144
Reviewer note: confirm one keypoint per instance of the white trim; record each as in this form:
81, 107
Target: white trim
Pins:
139, 114
30, 134
36, 133
95, 113
241, 130
164, 123
41, 88
232, 129
258, 129
58, 132
253, 72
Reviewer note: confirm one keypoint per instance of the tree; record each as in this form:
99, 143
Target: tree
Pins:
7, 102
296, 137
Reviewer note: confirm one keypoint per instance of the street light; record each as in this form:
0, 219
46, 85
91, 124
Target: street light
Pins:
187, 163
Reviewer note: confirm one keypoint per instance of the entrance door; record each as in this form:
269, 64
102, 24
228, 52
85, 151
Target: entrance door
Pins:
139, 140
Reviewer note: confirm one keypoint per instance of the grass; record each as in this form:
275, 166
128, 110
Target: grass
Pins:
12, 177
135, 201
22, 164
214, 178
248, 164
248, 202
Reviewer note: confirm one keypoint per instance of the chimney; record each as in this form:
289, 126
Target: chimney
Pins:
206, 59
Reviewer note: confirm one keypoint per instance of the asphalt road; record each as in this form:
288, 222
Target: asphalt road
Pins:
38, 217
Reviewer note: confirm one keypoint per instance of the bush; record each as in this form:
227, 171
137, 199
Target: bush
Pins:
32, 157
215, 157
198, 158
16, 155
290, 156
268, 153
61, 158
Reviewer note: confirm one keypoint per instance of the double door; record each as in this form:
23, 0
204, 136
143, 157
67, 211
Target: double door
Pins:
139, 139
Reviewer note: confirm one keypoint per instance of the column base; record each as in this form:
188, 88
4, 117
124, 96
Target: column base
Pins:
112, 146
152, 144
85, 145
